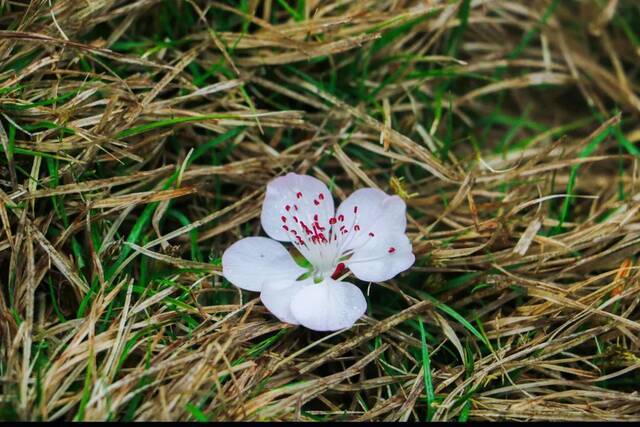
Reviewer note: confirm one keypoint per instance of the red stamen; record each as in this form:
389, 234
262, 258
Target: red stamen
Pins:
355, 209
371, 234
315, 202
287, 208
305, 228
283, 218
392, 250
299, 195
321, 196
332, 221
285, 228
339, 269
356, 227
340, 217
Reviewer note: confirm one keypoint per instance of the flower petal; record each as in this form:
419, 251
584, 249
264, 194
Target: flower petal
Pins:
250, 262
276, 296
382, 257
292, 199
328, 306
374, 212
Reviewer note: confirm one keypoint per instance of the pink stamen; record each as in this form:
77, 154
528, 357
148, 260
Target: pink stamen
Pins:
299, 195
392, 250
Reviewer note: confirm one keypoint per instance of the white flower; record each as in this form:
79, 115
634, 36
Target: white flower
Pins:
365, 235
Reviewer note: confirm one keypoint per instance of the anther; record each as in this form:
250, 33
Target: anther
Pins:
299, 195
339, 269
392, 250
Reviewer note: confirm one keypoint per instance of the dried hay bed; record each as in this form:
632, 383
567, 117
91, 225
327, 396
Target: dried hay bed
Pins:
137, 138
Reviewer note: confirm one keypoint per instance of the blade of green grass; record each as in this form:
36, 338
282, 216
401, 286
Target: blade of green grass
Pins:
426, 369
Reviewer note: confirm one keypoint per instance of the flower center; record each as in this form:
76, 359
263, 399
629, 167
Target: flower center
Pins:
324, 241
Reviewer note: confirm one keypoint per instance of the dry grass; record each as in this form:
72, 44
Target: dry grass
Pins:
136, 141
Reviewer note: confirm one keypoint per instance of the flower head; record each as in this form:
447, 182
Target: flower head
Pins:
366, 235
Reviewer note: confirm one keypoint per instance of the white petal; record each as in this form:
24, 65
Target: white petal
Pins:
374, 212
250, 262
299, 196
277, 295
382, 258
328, 306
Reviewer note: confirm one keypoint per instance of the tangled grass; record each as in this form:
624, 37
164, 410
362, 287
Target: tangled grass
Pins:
137, 138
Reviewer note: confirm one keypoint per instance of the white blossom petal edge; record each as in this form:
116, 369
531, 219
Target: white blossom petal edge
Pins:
365, 235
